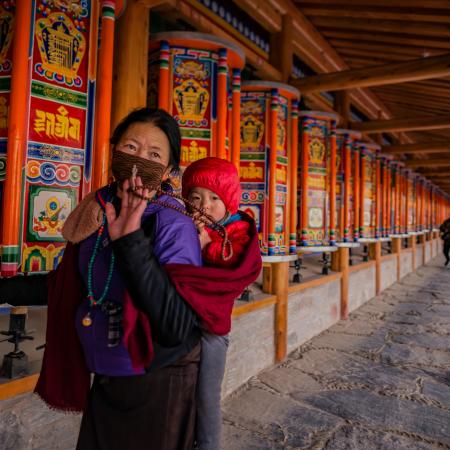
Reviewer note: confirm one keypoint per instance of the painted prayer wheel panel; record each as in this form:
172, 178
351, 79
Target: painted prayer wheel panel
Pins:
317, 133
58, 152
368, 191
411, 212
189, 76
267, 111
346, 141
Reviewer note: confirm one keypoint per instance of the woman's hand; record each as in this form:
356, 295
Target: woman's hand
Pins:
131, 210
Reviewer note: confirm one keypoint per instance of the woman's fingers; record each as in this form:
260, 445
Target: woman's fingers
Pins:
110, 213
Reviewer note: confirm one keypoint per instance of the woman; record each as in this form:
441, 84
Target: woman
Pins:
144, 352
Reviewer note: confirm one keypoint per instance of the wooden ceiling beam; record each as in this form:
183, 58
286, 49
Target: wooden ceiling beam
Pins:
424, 43
444, 4
422, 123
416, 69
385, 55
388, 26
263, 13
377, 13
435, 147
428, 162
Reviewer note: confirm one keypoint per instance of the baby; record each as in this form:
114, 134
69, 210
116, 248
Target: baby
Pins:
213, 185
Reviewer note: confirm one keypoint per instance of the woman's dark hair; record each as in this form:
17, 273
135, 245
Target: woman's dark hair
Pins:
159, 118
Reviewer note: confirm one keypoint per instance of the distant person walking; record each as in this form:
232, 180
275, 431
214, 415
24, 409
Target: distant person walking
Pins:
445, 235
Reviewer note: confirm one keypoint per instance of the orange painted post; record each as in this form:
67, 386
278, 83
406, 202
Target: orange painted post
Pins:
102, 122
332, 230
17, 139
293, 163
236, 119
389, 199
396, 199
164, 77
222, 103
378, 218
362, 191
356, 194
407, 199
347, 176
273, 121
417, 203
304, 182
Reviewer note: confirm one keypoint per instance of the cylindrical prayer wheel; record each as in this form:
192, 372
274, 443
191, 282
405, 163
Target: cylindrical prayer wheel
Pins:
386, 180
369, 213
268, 162
189, 75
411, 202
345, 185
317, 179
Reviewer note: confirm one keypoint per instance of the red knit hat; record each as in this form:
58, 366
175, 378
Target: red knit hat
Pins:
217, 175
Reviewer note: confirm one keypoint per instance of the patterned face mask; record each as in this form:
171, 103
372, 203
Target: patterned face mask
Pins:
151, 172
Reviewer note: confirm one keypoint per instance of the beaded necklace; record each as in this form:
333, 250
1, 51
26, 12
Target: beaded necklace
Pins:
87, 320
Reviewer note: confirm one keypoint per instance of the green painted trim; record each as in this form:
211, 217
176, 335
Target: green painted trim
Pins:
60, 95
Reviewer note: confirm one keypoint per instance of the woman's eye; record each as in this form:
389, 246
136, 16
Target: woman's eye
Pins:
131, 147
156, 155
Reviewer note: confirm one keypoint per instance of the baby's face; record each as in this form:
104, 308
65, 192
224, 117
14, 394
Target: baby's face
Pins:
209, 201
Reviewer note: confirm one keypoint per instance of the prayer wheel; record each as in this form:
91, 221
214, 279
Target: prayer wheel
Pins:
196, 78
317, 180
369, 208
345, 185
386, 196
411, 211
268, 162
48, 91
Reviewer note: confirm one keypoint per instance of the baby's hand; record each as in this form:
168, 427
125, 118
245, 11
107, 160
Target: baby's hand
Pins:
204, 237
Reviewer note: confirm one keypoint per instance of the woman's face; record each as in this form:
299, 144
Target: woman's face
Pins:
209, 201
148, 142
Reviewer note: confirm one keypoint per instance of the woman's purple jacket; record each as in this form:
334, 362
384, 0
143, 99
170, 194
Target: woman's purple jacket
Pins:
175, 241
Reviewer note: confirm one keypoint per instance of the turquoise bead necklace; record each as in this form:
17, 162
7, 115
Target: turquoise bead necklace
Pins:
87, 321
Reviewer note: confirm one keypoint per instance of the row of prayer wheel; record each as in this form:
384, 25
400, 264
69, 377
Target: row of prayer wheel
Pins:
305, 183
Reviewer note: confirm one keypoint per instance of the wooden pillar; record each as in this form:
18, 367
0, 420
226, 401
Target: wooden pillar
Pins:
164, 77
389, 200
280, 274
102, 122
267, 278
344, 254
293, 164
412, 245
342, 107
282, 50
236, 119
332, 230
129, 88
17, 139
272, 166
375, 254
396, 200
397, 248
222, 103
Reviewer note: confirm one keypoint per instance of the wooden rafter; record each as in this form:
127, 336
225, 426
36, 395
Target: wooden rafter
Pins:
421, 123
434, 147
416, 69
428, 162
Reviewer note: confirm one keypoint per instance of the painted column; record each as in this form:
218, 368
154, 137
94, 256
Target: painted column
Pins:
222, 104
293, 164
268, 113
17, 134
357, 193
332, 229
103, 96
362, 190
164, 77
389, 219
236, 119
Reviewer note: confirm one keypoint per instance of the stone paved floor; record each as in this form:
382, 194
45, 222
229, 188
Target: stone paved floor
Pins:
378, 381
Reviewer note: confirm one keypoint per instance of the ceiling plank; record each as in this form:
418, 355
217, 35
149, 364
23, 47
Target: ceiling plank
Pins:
428, 162
435, 147
390, 26
416, 69
421, 123
444, 4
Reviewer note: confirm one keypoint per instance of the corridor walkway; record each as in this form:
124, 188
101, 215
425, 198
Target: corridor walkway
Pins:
379, 381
